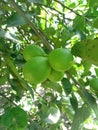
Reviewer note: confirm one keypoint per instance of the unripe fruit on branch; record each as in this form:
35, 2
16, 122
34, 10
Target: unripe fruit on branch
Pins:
33, 50
36, 70
55, 76
61, 59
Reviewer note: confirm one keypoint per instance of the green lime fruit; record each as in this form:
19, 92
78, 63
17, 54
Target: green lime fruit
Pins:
61, 59
94, 83
36, 70
32, 51
55, 76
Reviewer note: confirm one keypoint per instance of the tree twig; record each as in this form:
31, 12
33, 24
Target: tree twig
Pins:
74, 80
38, 32
67, 7
71, 10
50, 8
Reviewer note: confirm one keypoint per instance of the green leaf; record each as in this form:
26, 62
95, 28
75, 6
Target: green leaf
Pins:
79, 23
67, 108
67, 86
88, 98
20, 117
74, 102
13, 127
87, 50
52, 115
14, 118
50, 31
15, 20
3, 79
96, 71
81, 115
93, 3
87, 65
7, 118
95, 23
72, 5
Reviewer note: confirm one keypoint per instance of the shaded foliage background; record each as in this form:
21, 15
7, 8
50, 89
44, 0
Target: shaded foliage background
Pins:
68, 104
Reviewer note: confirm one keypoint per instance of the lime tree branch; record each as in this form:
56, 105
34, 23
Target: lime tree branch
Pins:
64, 6
46, 6
38, 32
78, 85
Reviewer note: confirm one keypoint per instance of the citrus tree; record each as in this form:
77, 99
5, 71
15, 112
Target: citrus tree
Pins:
48, 64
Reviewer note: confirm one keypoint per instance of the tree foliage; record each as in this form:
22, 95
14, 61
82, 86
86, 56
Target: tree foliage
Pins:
70, 103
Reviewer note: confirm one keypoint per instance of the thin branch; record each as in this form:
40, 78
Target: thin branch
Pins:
38, 32
71, 10
67, 7
74, 80
53, 9
50, 8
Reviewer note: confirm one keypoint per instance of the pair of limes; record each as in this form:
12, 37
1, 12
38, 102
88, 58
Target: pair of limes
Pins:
40, 66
